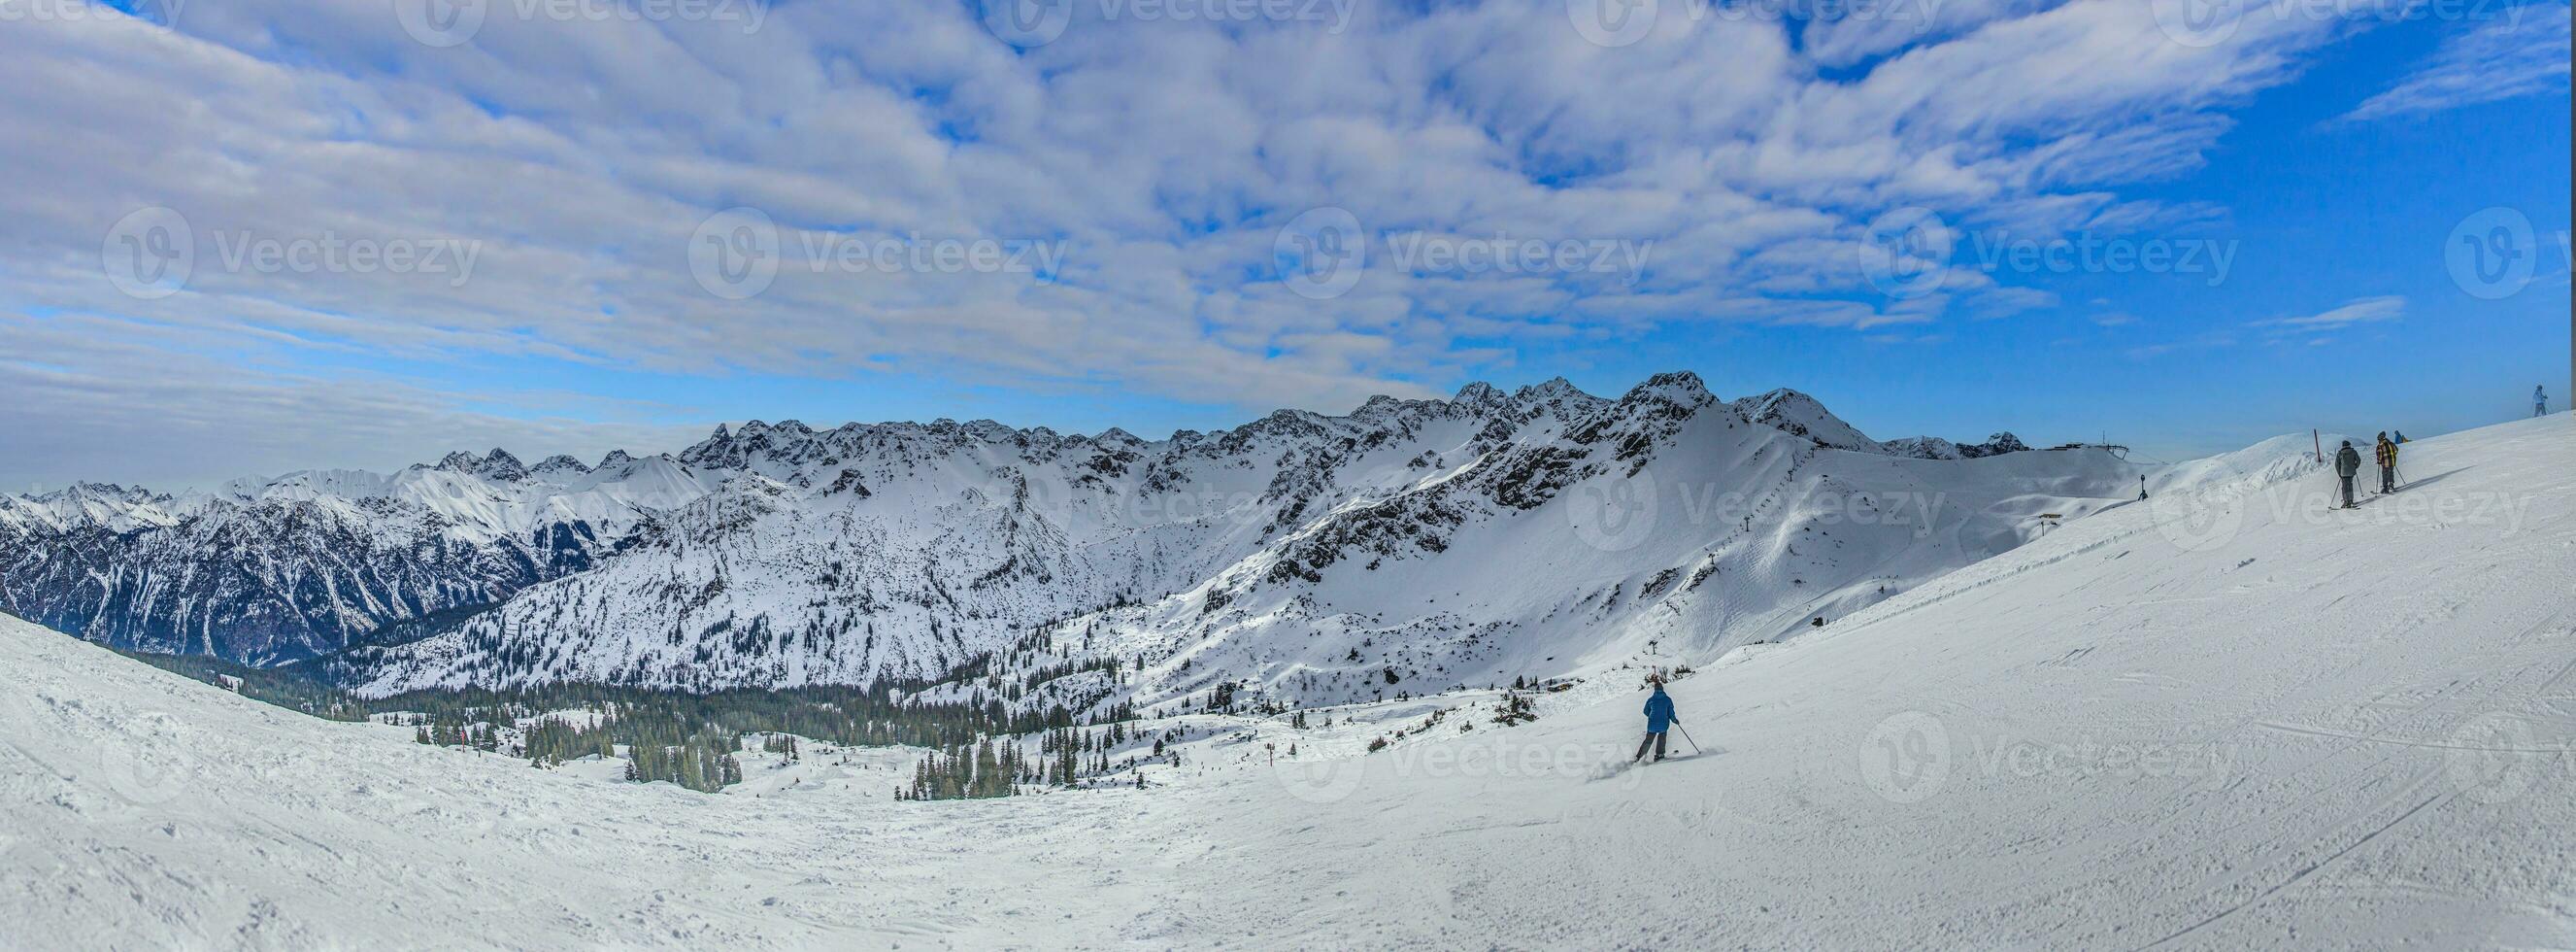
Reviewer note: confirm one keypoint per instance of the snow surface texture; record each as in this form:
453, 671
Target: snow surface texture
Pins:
2226, 718
1410, 547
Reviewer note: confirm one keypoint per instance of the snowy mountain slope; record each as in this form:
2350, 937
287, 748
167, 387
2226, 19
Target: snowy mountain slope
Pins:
1672, 523
140, 809
1566, 526
1798, 414
1444, 543
2159, 727
2275, 725
903, 549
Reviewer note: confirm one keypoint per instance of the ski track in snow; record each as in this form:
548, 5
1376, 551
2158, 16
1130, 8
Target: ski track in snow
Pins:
2340, 730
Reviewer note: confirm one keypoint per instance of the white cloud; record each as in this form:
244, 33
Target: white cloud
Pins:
2369, 310
2210, 341
578, 158
2521, 52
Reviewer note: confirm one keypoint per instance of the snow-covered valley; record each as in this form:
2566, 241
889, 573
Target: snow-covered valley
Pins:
2224, 717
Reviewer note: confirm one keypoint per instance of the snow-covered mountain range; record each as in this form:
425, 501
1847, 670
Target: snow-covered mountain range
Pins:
1410, 546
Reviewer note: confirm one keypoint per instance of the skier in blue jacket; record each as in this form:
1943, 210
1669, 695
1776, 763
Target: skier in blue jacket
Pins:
1659, 718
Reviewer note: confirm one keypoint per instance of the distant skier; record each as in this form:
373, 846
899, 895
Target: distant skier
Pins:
1659, 718
2347, 464
2386, 454
2401, 436
2539, 401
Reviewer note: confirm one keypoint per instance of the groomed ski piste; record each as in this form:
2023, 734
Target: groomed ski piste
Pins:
2224, 717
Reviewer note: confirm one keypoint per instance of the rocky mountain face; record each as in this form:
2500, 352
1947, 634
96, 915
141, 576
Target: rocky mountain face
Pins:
1800, 415
1410, 546
283, 571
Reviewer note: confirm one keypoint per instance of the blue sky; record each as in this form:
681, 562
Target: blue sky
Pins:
621, 230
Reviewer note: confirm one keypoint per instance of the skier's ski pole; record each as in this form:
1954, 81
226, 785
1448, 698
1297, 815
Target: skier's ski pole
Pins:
1686, 736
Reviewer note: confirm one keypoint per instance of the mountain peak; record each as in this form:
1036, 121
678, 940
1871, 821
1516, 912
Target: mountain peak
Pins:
559, 463
500, 465
1798, 414
117, 492
1554, 388
1478, 394
1679, 386
1778, 396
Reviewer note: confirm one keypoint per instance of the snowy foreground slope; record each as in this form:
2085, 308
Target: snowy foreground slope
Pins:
2206, 721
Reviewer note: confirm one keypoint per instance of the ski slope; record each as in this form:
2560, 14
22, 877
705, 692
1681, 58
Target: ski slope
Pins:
2227, 717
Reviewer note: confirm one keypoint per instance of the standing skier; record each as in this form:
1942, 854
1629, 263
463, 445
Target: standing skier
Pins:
2387, 456
1659, 718
2539, 401
2347, 463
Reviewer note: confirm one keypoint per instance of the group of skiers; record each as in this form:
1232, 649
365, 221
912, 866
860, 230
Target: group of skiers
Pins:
2348, 460
2348, 465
